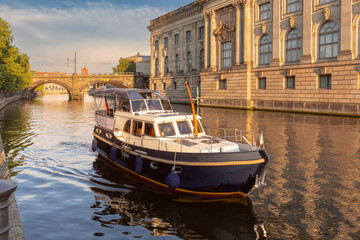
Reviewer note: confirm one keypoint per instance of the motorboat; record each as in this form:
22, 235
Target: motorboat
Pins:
138, 132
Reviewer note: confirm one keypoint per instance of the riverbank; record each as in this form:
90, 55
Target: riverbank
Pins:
16, 232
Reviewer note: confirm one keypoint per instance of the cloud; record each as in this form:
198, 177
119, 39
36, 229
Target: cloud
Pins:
100, 33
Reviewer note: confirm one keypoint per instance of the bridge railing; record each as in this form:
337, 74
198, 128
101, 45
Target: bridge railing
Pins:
92, 74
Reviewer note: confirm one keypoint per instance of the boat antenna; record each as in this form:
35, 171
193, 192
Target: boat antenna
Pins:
196, 132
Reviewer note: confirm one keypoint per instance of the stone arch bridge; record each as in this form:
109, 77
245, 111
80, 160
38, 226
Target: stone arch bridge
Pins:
76, 84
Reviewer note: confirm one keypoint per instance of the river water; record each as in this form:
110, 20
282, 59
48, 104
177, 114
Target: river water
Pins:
67, 192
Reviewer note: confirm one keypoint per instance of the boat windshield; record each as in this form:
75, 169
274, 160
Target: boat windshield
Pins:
146, 105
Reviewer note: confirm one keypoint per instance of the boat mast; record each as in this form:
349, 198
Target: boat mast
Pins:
196, 133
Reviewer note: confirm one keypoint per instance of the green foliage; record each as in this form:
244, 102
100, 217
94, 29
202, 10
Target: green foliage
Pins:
14, 65
125, 65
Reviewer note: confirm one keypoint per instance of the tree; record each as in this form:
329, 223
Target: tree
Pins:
14, 65
125, 65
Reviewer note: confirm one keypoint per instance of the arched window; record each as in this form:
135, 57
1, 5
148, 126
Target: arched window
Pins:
265, 50
328, 40
177, 63
166, 65
156, 67
202, 58
293, 46
189, 61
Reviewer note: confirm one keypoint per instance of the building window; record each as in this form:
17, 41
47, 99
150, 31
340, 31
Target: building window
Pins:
202, 58
166, 65
223, 84
329, 40
164, 86
189, 61
226, 54
265, 50
264, 11
156, 67
262, 83
325, 1
201, 33
188, 36
325, 81
156, 45
174, 83
292, 6
293, 46
177, 63
176, 39
166, 42
154, 86
290, 82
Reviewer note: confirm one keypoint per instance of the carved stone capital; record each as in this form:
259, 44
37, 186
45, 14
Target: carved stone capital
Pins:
237, 4
248, 3
206, 15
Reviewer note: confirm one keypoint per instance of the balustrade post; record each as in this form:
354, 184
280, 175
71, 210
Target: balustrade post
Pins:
6, 189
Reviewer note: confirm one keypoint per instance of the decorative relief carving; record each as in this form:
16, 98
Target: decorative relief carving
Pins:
326, 13
292, 22
263, 28
224, 31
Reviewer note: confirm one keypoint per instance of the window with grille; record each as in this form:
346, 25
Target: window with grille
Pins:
201, 33
290, 82
226, 54
177, 63
189, 61
262, 83
202, 58
166, 42
325, 81
265, 50
264, 11
292, 6
328, 40
222, 84
325, 1
156, 67
293, 46
188, 36
166, 65
176, 39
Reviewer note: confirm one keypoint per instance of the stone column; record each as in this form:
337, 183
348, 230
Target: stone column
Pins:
247, 31
206, 39
307, 32
213, 41
346, 52
276, 33
238, 32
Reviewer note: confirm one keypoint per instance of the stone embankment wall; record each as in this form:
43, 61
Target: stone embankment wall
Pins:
16, 231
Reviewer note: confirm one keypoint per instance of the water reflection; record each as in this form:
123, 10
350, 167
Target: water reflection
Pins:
163, 214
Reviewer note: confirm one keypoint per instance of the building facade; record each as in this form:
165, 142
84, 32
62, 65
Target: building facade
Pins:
290, 55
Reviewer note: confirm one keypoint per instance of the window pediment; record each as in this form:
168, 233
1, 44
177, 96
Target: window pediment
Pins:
224, 30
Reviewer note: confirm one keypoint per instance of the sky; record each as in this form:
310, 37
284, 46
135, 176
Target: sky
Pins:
50, 31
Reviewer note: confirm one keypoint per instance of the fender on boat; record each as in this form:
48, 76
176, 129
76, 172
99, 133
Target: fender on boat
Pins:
173, 180
94, 144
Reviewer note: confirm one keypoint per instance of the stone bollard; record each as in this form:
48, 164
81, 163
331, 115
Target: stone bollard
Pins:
6, 189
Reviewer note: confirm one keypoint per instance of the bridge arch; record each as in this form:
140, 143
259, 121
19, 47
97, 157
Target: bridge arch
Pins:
38, 82
115, 83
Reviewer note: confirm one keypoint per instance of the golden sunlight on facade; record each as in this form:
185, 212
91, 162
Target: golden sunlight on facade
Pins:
289, 55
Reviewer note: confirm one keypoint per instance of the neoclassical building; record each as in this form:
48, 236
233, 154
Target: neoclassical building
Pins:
291, 55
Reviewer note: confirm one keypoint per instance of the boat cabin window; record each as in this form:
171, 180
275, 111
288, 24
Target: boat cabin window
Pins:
138, 105
166, 130
125, 107
199, 127
149, 129
154, 104
127, 126
137, 128
184, 127
166, 104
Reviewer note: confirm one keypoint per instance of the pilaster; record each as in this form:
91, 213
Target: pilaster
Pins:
346, 31
213, 41
307, 32
276, 33
237, 6
206, 40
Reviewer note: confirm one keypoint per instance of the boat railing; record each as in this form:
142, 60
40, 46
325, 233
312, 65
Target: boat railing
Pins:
253, 140
236, 135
